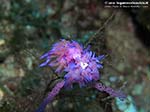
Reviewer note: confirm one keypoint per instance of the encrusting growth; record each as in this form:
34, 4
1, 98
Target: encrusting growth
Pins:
50, 96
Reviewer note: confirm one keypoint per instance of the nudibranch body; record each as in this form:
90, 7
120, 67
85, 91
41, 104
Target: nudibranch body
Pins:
80, 65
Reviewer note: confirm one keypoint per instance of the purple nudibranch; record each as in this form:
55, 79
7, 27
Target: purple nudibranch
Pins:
81, 66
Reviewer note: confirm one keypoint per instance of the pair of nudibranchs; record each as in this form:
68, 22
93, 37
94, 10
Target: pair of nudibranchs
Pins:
80, 65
